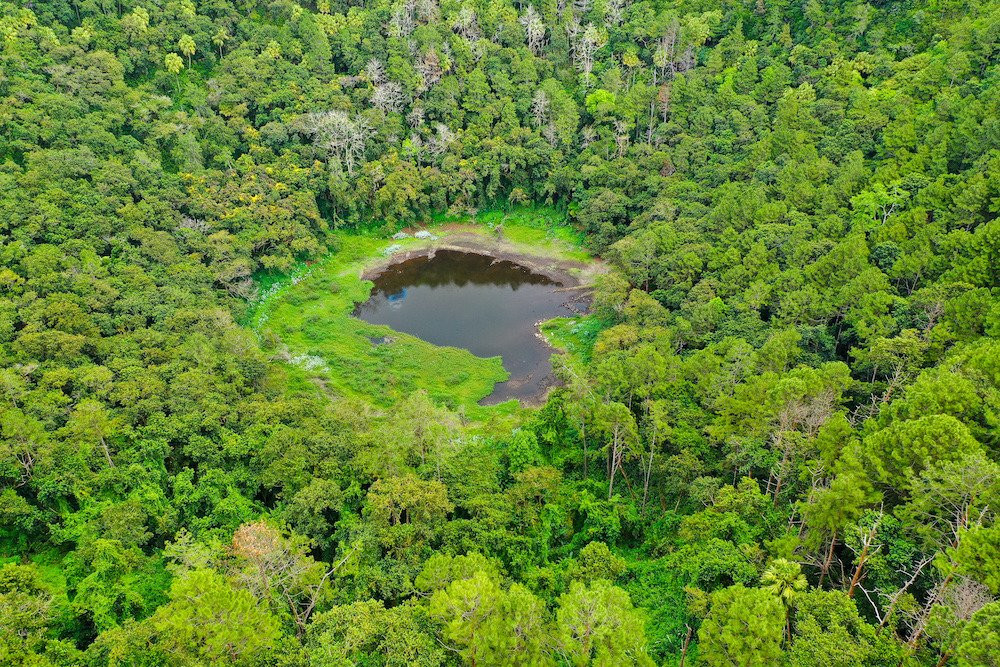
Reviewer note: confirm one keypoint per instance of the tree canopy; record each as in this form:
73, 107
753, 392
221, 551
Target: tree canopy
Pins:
775, 436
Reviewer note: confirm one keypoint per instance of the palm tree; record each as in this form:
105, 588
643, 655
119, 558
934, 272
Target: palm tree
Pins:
785, 579
220, 37
174, 65
187, 47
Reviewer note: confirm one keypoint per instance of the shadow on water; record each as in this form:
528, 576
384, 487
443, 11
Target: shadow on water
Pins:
489, 307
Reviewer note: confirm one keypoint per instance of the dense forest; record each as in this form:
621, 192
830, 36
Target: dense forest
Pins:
779, 446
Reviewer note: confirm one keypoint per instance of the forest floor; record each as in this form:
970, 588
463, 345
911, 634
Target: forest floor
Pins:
305, 318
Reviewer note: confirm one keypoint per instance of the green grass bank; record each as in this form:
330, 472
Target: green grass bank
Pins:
304, 318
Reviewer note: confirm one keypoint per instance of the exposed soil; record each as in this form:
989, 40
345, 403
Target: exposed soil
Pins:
575, 277
571, 274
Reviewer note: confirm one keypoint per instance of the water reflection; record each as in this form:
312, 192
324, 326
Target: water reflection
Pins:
489, 307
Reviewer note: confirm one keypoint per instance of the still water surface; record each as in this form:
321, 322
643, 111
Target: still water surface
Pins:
489, 307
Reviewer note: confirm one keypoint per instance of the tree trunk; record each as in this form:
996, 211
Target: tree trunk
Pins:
857, 571
899, 593
649, 471
107, 453
777, 490
614, 469
829, 559
687, 641
918, 631
780, 474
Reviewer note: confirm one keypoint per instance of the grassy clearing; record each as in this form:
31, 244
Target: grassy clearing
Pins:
312, 319
574, 336
543, 230
305, 318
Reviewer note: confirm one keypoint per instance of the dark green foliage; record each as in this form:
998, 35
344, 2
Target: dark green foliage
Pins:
776, 438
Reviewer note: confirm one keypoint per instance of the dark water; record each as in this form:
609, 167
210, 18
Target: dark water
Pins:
472, 301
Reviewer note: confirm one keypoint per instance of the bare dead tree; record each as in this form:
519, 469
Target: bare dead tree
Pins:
958, 604
891, 599
534, 30
687, 61
25, 458
621, 136
955, 598
572, 29
430, 69
798, 420
665, 56
338, 133
194, 224
442, 138
426, 11
613, 13
967, 597
403, 20
549, 132
415, 118
686, 644
587, 46
270, 565
375, 71
540, 107
864, 547
663, 97
388, 97
947, 502
466, 24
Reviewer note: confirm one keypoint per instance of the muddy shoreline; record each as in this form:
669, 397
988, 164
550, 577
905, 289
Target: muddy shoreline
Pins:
571, 274
575, 279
